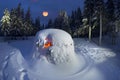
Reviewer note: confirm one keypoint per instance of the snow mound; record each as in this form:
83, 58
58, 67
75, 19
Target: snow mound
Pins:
60, 47
57, 48
11, 61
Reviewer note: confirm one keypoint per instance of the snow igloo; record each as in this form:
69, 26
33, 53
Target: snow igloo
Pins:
56, 47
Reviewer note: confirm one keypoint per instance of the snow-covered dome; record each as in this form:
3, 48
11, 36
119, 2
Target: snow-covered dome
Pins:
56, 48
56, 45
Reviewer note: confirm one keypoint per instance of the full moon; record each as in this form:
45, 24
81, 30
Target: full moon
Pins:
45, 13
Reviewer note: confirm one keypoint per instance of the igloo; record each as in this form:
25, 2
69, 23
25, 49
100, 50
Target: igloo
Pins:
57, 48
56, 45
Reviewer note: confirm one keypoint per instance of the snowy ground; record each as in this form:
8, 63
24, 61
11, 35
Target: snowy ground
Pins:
106, 58
104, 61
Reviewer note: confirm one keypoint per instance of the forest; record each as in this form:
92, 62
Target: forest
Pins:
98, 18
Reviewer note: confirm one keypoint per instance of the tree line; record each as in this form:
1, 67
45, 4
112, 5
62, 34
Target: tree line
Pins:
79, 22
98, 18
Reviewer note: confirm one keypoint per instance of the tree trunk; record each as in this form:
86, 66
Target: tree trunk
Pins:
90, 30
116, 26
100, 36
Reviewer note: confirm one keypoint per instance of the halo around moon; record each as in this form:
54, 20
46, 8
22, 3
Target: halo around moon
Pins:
45, 13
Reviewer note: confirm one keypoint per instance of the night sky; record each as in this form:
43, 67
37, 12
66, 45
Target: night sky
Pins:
38, 6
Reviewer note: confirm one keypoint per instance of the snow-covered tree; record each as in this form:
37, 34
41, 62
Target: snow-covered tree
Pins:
88, 13
99, 13
5, 23
28, 29
83, 30
16, 23
62, 21
28, 24
94, 12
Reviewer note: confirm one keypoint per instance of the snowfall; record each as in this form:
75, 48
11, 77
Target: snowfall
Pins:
64, 59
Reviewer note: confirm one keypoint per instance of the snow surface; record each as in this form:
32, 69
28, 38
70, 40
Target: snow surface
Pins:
95, 63
15, 68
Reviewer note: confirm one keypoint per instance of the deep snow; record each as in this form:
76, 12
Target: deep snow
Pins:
100, 63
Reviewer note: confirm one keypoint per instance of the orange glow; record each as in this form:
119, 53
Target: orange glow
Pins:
48, 44
45, 13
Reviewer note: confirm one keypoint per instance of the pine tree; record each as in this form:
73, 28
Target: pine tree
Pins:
76, 22
88, 9
37, 22
110, 8
19, 10
5, 23
78, 17
88, 13
37, 25
62, 21
13, 17
72, 23
50, 24
28, 27
117, 21
118, 10
65, 23
99, 12
16, 22
22, 14
57, 22
28, 16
